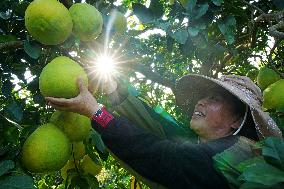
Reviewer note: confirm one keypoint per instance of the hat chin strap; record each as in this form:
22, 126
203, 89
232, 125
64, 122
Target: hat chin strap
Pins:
243, 122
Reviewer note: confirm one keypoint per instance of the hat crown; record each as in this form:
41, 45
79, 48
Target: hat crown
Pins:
244, 88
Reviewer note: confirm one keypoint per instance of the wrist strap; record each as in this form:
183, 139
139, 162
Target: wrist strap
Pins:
102, 117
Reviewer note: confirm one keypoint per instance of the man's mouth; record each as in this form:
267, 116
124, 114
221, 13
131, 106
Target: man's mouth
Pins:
198, 114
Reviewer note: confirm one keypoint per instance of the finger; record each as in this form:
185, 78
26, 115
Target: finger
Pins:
93, 86
61, 101
81, 84
58, 107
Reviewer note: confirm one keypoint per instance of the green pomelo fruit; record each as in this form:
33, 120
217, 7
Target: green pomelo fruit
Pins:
266, 76
87, 21
119, 22
273, 95
89, 166
46, 149
59, 78
75, 126
48, 21
78, 150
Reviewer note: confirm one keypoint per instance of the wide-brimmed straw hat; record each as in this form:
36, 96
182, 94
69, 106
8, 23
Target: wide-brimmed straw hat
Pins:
191, 88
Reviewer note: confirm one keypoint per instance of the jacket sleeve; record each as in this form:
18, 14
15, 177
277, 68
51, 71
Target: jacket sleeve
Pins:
171, 164
138, 112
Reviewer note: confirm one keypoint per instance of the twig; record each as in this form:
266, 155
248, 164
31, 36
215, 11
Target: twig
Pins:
274, 30
66, 53
255, 55
222, 64
253, 6
20, 128
149, 74
277, 42
276, 70
11, 45
270, 16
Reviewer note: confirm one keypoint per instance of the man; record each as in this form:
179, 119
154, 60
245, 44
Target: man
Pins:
226, 115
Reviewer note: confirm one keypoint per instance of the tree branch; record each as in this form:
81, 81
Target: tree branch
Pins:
274, 30
66, 53
253, 6
277, 42
270, 16
222, 64
277, 71
149, 74
11, 45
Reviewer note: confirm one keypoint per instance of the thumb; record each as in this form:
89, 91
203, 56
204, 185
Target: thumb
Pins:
81, 85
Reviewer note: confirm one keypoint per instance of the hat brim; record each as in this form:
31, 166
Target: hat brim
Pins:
191, 88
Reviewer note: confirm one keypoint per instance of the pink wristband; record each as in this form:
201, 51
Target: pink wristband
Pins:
103, 117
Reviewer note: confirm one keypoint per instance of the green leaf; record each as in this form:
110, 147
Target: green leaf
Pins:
97, 140
17, 182
227, 28
249, 162
262, 173
252, 185
180, 36
163, 25
15, 111
280, 110
144, 15
78, 181
156, 7
33, 50
5, 166
201, 10
279, 4
92, 181
193, 31
200, 25
21, 8
4, 149
273, 151
7, 38
217, 2
6, 15
191, 4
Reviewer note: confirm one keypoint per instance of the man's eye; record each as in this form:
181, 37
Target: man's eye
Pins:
215, 97
212, 97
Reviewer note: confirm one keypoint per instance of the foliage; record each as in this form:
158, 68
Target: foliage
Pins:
164, 42
267, 172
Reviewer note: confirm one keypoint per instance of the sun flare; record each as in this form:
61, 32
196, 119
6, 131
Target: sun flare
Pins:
105, 65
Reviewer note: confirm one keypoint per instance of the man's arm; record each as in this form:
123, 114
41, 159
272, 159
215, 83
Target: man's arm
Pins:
173, 165
144, 116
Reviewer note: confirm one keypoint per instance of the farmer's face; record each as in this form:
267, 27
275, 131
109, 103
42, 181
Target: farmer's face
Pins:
213, 116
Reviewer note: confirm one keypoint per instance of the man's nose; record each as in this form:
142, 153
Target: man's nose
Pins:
202, 101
